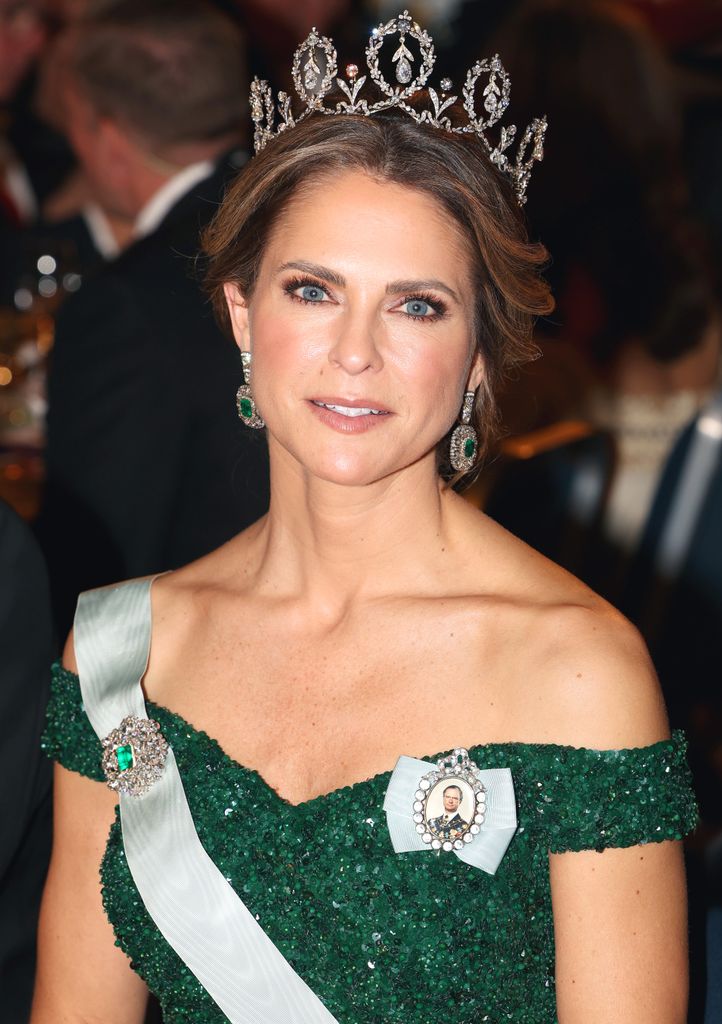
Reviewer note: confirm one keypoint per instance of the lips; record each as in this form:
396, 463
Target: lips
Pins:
349, 415
351, 411
351, 408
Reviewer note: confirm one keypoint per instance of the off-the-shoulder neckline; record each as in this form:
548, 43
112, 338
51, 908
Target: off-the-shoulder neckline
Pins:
676, 737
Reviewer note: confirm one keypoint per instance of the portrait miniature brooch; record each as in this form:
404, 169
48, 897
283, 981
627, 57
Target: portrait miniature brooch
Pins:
452, 807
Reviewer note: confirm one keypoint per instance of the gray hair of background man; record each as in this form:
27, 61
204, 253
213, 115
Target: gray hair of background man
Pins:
171, 72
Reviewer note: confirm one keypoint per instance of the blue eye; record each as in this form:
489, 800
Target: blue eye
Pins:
419, 308
312, 293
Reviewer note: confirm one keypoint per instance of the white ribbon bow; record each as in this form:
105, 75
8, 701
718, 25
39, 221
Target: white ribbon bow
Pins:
487, 848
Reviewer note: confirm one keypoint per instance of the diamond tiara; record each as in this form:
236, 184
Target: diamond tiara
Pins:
315, 68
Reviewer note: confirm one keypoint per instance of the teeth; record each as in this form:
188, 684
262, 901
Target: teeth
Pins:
345, 410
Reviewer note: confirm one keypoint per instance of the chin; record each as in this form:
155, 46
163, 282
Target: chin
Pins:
347, 472
342, 465
358, 471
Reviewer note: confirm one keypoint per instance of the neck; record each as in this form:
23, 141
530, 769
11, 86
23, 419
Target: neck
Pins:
333, 545
636, 372
145, 183
169, 161
152, 170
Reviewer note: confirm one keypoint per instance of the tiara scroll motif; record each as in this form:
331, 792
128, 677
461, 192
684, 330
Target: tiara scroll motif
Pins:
315, 69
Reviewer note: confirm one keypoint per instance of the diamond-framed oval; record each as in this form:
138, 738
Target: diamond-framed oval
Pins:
407, 85
455, 769
310, 80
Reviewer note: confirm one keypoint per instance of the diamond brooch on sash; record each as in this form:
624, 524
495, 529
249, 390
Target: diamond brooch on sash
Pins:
450, 803
134, 755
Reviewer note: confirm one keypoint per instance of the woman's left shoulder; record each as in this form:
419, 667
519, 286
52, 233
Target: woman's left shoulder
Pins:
597, 686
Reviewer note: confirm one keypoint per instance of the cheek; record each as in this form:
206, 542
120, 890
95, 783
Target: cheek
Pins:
285, 350
438, 374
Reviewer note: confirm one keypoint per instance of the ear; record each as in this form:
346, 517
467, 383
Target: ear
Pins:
476, 372
238, 312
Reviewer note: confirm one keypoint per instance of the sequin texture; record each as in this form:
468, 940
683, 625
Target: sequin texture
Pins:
405, 938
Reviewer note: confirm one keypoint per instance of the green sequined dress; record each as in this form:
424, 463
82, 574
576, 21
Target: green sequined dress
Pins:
411, 938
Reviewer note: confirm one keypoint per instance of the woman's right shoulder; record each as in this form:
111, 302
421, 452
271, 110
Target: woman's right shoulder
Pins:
69, 658
184, 603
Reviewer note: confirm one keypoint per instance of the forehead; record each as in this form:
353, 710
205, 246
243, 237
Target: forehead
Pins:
351, 217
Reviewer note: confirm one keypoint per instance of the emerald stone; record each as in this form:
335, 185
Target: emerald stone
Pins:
469, 447
246, 408
124, 755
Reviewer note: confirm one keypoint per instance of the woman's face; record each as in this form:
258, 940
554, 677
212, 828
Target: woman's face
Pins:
360, 326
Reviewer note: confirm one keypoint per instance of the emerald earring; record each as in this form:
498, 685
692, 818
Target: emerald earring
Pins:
464, 446
247, 411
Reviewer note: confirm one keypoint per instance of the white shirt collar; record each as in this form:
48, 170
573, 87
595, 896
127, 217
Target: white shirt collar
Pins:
100, 231
167, 195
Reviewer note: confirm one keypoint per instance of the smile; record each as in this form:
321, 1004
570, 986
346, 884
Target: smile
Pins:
346, 410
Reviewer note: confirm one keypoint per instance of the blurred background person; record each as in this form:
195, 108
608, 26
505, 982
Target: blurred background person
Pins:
33, 158
633, 505
637, 329
26, 650
147, 465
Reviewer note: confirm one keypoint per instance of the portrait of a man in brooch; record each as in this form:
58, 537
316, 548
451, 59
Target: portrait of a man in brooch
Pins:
450, 825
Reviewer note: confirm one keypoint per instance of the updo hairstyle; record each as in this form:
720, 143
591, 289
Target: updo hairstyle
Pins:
452, 169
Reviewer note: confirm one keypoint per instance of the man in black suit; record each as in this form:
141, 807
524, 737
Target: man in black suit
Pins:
148, 466
450, 825
26, 650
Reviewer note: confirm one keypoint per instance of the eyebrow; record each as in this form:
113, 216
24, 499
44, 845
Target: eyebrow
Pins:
326, 274
420, 286
316, 270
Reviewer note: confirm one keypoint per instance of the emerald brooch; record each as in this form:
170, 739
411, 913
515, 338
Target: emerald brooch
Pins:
134, 755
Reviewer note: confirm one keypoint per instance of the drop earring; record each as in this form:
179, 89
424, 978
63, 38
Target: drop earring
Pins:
247, 411
464, 445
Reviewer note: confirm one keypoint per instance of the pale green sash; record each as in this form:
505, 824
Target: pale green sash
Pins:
193, 905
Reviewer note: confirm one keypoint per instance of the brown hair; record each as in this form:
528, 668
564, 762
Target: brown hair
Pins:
453, 169
172, 72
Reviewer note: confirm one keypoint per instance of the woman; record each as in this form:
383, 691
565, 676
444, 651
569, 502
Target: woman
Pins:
377, 272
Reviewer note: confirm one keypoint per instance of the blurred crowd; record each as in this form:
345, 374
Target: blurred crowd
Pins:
121, 123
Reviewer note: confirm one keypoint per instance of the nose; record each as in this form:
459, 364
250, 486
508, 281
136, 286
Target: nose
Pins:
355, 346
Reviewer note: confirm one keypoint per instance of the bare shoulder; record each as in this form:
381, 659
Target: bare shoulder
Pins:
182, 596
598, 685
197, 611
173, 597
585, 676
160, 586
